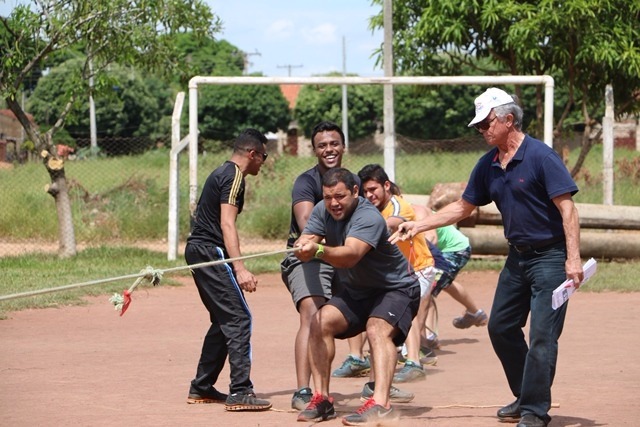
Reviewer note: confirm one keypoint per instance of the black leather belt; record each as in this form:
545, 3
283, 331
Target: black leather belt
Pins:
537, 245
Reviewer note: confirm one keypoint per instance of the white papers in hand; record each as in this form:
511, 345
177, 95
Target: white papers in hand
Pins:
567, 288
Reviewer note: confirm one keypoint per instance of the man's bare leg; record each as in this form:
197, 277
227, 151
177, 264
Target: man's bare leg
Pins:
307, 308
326, 324
383, 357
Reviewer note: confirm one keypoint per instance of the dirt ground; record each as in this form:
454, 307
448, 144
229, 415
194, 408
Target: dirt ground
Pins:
86, 366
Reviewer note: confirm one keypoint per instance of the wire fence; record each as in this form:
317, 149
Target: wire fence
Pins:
119, 194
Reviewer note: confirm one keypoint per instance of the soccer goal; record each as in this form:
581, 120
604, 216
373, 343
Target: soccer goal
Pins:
191, 140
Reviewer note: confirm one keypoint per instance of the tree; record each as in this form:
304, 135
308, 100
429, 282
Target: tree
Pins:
583, 44
129, 106
208, 57
317, 103
109, 31
224, 111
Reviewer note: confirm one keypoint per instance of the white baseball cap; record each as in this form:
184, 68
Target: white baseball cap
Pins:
491, 98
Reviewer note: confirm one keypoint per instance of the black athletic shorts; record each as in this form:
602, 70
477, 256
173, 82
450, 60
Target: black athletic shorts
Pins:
398, 307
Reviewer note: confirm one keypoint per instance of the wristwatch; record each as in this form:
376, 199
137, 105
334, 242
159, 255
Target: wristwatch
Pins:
320, 251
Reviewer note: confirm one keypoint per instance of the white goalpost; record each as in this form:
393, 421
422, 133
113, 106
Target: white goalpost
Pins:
177, 145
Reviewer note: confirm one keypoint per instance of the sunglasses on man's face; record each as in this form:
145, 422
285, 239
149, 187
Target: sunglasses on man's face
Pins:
484, 125
264, 155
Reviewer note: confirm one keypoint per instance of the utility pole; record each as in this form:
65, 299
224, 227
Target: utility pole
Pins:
387, 106
247, 63
289, 67
345, 109
93, 130
607, 147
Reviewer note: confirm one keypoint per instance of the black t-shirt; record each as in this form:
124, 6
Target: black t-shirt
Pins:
306, 188
225, 185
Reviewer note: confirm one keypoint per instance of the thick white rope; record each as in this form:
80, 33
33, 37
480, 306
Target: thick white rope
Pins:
151, 274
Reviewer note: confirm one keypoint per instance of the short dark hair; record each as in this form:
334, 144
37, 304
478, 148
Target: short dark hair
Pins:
325, 126
249, 139
333, 176
373, 172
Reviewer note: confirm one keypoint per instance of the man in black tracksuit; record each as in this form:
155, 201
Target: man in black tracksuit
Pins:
221, 286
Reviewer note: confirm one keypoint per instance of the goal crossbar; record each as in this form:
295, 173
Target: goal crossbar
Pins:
197, 81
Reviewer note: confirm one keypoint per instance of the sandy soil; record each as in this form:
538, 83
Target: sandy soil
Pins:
86, 366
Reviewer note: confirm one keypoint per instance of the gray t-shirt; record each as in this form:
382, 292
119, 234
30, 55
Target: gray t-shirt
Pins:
382, 268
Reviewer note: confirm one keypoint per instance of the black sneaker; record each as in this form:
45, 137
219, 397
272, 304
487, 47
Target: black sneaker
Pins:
301, 398
246, 402
319, 409
212, 396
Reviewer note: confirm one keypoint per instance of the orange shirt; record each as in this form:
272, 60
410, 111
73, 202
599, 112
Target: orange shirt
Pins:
416, 249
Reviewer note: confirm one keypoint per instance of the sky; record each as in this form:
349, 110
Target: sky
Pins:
300, 38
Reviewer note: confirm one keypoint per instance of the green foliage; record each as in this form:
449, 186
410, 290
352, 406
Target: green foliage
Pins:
140, 34
583, 44
207, 57
225, 111
127, 104
318, 103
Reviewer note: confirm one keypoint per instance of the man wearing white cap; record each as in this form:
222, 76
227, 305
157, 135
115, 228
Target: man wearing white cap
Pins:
533, 190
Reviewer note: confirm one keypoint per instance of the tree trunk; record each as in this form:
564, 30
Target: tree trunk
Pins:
58, 187
60, 192
585, 147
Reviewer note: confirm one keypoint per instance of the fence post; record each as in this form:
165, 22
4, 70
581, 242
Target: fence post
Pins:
607, 147
174, 179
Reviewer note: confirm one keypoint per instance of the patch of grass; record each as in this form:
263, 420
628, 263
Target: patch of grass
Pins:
618, 276
485, 263
127, 197
43, 271
614, 276
38, 271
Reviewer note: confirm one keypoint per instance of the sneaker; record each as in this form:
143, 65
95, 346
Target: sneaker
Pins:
212, 396
319, 409
353, 367
301, 398
410, 372
395, 394
468, 320
431, 341
246, 402
428, 357
370, 413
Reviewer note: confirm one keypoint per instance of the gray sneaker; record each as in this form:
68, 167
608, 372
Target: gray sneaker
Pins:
395, 394
370, 414
428, 357
353, 367
479, 318
210, 396
410, 372
301, 398
246, 402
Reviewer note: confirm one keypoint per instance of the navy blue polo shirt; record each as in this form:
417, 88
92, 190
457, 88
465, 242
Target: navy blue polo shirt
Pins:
523, 191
